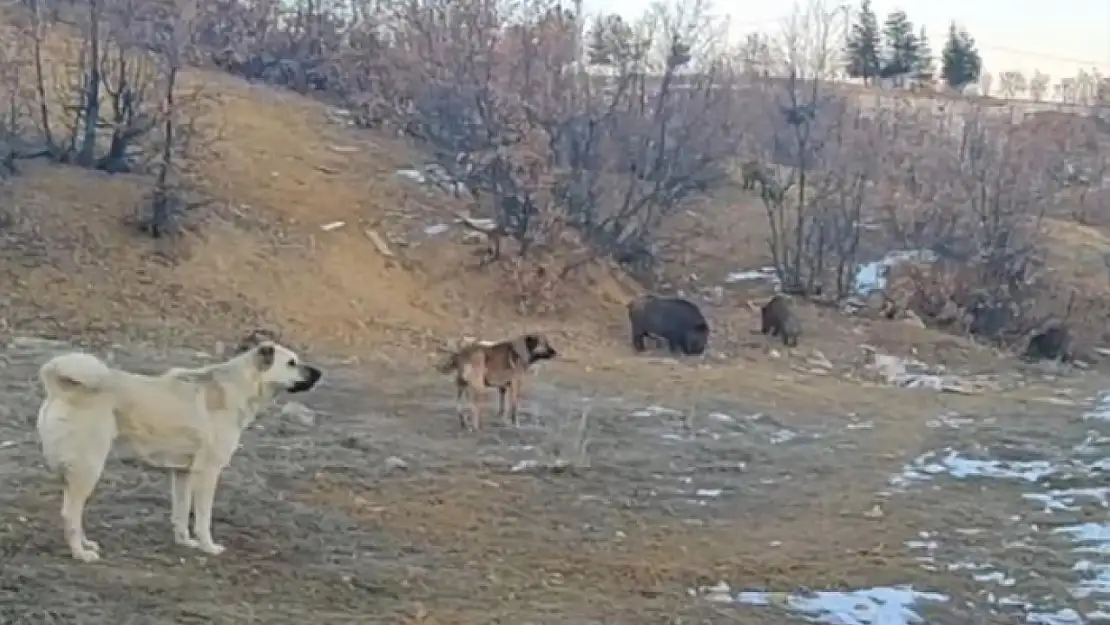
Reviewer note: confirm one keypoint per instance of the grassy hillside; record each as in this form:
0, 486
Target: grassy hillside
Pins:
280, 171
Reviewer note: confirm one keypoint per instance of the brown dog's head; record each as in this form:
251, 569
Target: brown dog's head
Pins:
538, 348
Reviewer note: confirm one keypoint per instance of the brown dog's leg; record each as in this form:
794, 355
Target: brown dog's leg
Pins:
475, 408
460, 390
501, 401
514, 401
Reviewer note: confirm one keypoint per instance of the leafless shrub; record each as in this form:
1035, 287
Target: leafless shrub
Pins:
502, 93
972, 185
168, 30
581, 155
815, 211
102, 89
565, 448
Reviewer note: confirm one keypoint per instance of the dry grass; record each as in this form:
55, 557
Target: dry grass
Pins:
324, 534
261, 257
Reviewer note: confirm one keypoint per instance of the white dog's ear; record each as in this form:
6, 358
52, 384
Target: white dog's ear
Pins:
264, 357
253, 339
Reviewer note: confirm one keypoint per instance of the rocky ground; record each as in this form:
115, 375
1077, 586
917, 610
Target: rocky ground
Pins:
614, 502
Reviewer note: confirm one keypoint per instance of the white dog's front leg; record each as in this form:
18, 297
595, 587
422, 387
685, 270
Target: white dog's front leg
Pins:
203, 483
181, 505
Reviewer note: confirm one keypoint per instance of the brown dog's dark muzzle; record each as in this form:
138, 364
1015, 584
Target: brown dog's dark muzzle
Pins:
311, 375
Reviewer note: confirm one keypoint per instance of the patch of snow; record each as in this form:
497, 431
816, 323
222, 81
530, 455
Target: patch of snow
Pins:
783, 436
414, 175
951, 462
871, 606
1066, 616
950, 420
763, 274
1101, 411
656, 411
1090, 541
913, 374
871, 277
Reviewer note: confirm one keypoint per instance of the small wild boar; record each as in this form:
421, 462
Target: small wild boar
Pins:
779, 320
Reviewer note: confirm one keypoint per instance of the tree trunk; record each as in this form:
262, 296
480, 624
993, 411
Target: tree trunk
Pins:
92, 89
160, 214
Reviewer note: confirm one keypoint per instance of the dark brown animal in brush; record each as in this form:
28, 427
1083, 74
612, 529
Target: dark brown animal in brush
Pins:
779, 320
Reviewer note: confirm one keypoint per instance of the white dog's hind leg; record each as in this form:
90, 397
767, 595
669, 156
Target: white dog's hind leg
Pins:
181, 505
79, 485
203, 483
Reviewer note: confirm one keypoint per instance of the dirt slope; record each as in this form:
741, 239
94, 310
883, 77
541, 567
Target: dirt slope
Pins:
281, 170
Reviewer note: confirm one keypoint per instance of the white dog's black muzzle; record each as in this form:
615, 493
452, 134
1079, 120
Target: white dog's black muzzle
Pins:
311, 375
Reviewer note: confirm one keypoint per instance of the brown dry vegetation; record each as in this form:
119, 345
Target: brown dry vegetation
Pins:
460, 539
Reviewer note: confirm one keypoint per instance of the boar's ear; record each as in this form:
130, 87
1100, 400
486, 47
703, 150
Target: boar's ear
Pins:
531, 342
264, 357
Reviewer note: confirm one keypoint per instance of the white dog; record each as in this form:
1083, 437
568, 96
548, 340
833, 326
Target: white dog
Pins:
186, 420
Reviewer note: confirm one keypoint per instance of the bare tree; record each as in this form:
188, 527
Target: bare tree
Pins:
1011, 84
1038, 86
806, 113
556, 152
90, 98
129, 80
37, 35
986, 83
169, 32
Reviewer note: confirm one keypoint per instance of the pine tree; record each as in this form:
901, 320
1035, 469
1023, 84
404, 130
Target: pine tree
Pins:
597, 51
900, 54
610, 41
862, 47
924, 70
973, 60
961, 63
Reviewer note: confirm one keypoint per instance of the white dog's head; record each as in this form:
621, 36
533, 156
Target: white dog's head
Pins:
280, 366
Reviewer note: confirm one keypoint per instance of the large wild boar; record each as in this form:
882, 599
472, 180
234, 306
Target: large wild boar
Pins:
677, 321
1051, 341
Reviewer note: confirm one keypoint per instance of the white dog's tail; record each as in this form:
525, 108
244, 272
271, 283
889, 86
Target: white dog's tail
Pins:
74, 372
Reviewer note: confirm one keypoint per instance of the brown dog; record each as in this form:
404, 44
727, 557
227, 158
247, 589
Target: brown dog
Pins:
479, 365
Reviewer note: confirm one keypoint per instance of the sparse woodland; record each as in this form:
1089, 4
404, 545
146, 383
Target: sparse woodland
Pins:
582, 136
108, 98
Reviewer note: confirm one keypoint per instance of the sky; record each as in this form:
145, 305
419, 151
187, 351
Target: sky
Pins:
1057, 37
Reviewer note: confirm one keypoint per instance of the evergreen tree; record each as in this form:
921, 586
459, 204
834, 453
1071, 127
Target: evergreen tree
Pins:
925, 70
611, 41
862, 47
900, 54
961, 63
597, 51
